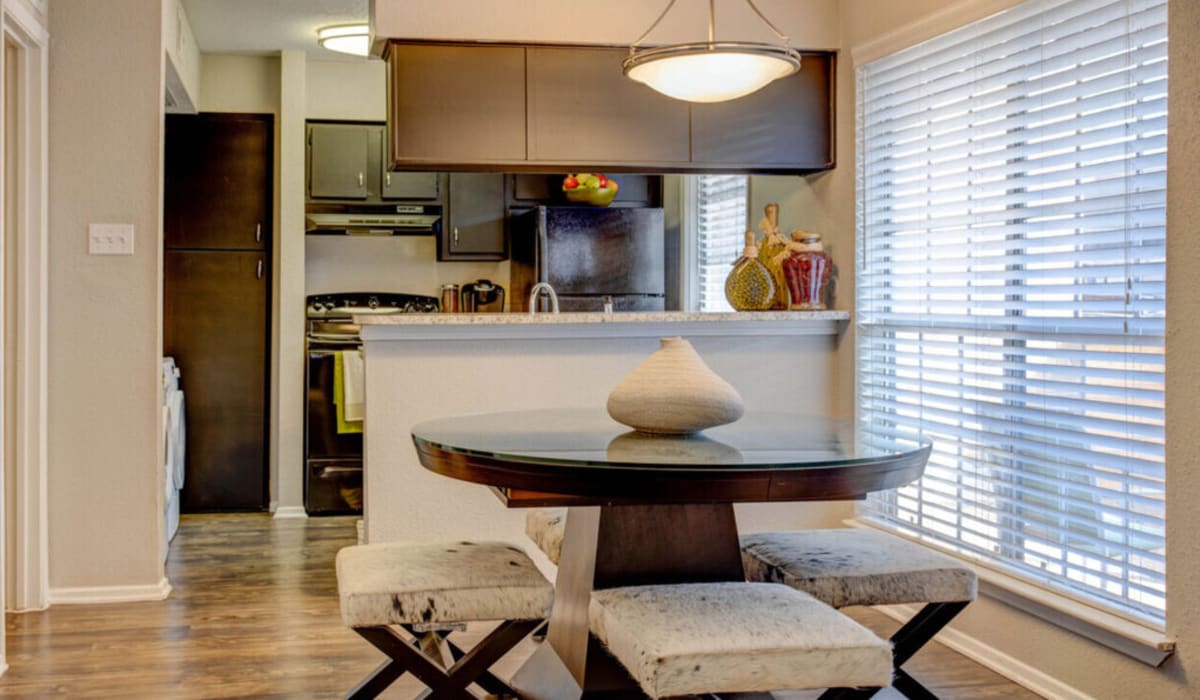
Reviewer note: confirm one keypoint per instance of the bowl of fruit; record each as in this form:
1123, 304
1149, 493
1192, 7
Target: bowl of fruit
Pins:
590, 188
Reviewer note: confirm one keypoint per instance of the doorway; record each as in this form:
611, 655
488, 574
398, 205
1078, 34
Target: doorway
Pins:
23, 262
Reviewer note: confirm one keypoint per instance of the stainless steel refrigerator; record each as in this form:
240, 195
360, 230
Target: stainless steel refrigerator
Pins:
587, 254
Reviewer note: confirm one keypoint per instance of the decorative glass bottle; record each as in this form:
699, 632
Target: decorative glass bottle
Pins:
748, 286
807, 269
771, 253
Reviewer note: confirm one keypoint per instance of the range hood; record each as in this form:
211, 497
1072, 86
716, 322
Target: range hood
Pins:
412, 221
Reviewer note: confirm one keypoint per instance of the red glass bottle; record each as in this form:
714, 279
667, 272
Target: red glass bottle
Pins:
806, 269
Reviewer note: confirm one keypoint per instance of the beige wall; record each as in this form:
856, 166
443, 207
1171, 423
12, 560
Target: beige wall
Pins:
810, 23
239, 83
347, 90
105, 332
1092, 669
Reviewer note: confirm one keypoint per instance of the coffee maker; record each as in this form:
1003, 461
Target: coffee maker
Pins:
482, 296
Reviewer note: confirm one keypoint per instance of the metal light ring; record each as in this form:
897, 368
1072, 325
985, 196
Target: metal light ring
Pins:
641, 56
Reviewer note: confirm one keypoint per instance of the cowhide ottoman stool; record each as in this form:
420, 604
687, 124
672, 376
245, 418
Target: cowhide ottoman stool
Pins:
701, 638
546, 526
866, 567
406, 598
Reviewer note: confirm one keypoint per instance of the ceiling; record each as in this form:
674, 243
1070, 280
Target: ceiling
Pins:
269, 26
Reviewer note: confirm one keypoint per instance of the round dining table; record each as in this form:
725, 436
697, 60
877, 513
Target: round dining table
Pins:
651, 509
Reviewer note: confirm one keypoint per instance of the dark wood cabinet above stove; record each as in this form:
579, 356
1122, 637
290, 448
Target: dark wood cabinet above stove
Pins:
548, 109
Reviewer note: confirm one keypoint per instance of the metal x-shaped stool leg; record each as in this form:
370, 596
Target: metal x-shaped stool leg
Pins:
905, 642
444, 684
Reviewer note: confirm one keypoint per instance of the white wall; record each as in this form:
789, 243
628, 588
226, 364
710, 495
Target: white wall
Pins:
1032, 644
409, 381
105, 333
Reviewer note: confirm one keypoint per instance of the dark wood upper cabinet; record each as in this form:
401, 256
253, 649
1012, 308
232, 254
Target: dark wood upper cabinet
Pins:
217, 169
456, 104
582, 109
789, 123
549, 109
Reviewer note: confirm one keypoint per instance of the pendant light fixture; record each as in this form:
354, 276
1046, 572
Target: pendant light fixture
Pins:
711, 71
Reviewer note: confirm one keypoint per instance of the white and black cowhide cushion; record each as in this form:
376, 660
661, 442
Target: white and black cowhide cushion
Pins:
399, 582
700, 638
854, 566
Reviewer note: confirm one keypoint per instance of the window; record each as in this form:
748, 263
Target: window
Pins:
1011, 290
717, 211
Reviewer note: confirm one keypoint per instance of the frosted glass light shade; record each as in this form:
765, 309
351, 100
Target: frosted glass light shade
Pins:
348, 38
711, 72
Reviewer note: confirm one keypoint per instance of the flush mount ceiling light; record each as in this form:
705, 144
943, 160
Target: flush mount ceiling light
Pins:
711, 71
345, 38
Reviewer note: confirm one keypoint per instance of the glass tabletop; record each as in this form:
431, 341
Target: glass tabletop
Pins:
589, 437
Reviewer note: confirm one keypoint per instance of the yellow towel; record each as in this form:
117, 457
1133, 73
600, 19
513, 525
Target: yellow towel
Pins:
339, 376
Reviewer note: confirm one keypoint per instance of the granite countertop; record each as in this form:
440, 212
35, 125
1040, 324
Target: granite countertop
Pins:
598, 317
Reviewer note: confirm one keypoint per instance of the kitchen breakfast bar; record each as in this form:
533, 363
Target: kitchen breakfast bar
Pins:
423, 367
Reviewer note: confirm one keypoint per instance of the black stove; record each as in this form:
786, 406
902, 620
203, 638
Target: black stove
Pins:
345, 304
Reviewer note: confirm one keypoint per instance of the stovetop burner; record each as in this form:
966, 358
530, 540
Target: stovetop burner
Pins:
345, 304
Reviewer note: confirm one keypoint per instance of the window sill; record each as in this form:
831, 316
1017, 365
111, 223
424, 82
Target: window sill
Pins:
1146, 644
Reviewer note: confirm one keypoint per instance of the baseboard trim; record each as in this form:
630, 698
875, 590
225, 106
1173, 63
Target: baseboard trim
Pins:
86, 595
1011, 668
290, 512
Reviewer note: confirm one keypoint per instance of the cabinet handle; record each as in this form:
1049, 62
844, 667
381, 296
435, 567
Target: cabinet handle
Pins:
258, 232
259, 272
360, 179
455, 235
387, 179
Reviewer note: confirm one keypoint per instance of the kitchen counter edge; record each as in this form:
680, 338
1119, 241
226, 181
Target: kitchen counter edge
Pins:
599, 324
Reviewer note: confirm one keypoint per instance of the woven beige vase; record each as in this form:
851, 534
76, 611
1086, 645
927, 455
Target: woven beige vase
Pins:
674, 393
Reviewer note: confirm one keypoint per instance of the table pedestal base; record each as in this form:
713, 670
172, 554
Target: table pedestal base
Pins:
613, 546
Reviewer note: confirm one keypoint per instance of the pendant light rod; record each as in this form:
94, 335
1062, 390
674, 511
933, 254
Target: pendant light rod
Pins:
712, 22
766, 21
655, 24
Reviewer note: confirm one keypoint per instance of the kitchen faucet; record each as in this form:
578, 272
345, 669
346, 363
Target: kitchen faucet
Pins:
533, 297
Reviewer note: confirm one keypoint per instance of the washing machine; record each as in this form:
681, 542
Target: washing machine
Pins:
174, 436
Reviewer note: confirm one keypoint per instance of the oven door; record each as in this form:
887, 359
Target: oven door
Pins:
333, 487
332, 460
321, 437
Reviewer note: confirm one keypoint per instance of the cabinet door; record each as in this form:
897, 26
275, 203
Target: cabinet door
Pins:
337, 161
414, 185
582, 109
786, 125
215, 325
217, 181
455, 104
474, 226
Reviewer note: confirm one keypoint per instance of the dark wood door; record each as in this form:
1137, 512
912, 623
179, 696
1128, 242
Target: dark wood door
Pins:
218, 173
216, 328
583, 110
456, 104
474, 227
786, 125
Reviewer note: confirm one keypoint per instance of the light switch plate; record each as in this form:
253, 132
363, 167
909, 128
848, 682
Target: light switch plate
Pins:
110, 239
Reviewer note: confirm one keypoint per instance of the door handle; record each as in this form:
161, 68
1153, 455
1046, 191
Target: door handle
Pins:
258, 232
258, 273
360, 179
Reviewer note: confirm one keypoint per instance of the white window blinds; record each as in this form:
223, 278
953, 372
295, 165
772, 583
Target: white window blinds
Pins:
1010, 291
720, 216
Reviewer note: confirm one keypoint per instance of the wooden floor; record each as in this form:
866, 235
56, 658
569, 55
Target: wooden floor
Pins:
254, 614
